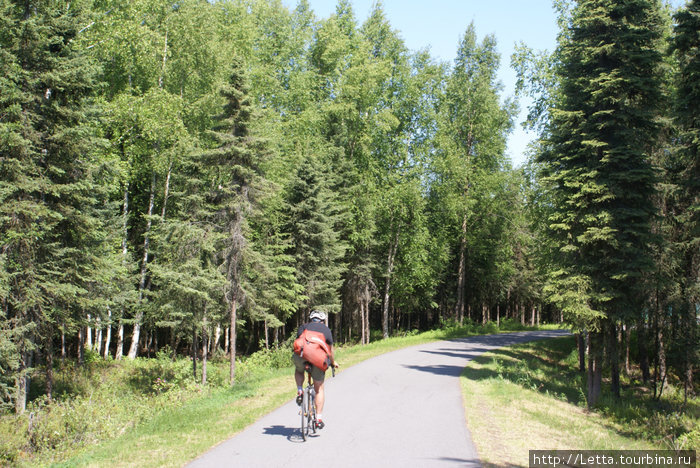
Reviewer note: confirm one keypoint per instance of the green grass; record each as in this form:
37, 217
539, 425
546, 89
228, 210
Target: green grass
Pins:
179, 434
530, 397
150, 412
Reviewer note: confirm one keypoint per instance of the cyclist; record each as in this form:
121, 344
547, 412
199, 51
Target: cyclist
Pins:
317, 324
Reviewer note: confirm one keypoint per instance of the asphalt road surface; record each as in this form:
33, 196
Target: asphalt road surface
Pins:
400, 409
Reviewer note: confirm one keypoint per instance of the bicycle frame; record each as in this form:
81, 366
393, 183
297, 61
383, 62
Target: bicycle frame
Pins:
308, 409
308, 405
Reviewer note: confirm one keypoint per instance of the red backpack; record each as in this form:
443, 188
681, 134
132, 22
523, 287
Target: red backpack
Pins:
312, 346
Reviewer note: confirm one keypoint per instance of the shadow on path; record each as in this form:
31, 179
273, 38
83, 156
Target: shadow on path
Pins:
470, 353
469, 462
441, 369
292, 434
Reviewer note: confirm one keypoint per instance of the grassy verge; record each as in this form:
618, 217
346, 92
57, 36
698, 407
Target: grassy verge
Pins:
530, 397
150, 412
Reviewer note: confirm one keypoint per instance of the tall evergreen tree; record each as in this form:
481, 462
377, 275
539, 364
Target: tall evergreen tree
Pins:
317, 251
236, 185
50, 234
686, 47
602, 129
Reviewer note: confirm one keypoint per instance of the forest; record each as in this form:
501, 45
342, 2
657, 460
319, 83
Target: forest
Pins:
197, 176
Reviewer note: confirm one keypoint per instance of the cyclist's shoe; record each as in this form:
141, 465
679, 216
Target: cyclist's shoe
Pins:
320, 424
300, 398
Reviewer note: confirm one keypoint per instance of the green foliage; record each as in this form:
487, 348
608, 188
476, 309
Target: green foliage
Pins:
315, 245
261, 362
319, 163
52, 230
597, 159
102, 400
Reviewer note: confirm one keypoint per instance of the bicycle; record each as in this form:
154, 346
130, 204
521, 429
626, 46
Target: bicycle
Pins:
309, 423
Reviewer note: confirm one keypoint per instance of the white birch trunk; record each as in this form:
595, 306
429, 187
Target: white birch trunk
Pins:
133, 349
227, 350
88, 334
98, 335
108, 333
119, 350
217, 336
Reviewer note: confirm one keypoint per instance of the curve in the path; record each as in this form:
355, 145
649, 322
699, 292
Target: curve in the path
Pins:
400, 409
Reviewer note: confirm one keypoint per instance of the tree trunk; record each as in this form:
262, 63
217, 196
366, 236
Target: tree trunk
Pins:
227, 335
63, 343
643, 350
362, 323
149, 342
267, 338
498, 315
389, 269
661, 356
165, 57
626, 337
81, 346
49, 369
594, 376
118, 352
194, 352
232, 370
461, 273
614, 359
120, 342
22, 381
581, 343
367, 321
108, 334
166, 191
690, 350
133, 350
205, 350
217, 337
88, 334
98, 336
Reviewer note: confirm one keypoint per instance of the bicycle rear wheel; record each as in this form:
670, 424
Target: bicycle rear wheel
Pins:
312, 411
312, 417
305, 415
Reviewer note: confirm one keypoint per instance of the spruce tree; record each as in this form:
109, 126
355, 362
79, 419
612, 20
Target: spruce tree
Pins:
686, 48
602, 129
235, 186
49, 229
315, 246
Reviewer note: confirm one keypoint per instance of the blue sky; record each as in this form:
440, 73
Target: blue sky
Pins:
439, 25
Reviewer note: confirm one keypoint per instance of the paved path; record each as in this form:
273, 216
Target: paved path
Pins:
400, 409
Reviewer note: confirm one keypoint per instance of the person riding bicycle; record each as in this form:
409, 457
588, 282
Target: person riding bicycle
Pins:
317, 324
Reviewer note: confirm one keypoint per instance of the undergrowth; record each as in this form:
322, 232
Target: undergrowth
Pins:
104, 399
551, 367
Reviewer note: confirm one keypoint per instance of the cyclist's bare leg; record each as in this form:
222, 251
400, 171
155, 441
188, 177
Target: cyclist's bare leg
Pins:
299, 378
320, 397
